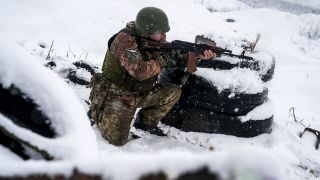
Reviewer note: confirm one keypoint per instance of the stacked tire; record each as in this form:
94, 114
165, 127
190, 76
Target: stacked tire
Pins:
74, 72
204, 107
40, 116
25, 113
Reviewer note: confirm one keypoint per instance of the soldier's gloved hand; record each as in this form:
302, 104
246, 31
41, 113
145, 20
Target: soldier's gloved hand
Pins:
207, 54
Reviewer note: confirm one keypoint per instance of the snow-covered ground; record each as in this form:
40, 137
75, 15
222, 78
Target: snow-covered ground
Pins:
80, 30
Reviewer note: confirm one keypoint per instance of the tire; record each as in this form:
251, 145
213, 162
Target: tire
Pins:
192, 119
251, 64
224, 65
39, 112
72, 76
269, 75
90, 68
201, 93
202, 108
14, 145
24, 112
71, 72
179, 77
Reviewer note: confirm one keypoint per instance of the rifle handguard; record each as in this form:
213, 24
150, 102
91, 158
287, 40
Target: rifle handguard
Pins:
192, 62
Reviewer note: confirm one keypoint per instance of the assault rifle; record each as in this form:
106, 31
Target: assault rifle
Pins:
191, 49
187, 47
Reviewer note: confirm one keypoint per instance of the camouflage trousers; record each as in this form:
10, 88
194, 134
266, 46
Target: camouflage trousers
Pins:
113, 108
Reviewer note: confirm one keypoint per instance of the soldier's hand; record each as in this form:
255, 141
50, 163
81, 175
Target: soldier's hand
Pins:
208, 54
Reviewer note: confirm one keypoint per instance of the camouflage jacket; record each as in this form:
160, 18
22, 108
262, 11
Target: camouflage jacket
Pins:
130, 68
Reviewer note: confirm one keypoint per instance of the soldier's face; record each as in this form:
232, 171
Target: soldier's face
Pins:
158, 37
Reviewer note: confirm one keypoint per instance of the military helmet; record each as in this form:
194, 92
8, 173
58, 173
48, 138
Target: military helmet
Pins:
151, 20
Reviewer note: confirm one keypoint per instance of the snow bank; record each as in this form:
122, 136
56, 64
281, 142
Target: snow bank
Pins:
237, 80
75, 139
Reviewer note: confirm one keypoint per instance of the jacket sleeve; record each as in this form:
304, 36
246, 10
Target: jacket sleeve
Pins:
175, 59
126, 48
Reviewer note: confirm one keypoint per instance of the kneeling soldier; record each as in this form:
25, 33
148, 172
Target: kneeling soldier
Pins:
129, 80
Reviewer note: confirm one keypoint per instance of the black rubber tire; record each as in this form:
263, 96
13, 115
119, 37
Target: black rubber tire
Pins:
14, 145
24, 112
191, 119
269, 75
201, 93
84, 65
251, 64
72, 73
72, 76
176, 75
224, 65
202, 108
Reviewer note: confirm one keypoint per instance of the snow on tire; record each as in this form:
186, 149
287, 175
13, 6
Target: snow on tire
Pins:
265, 71
39, 113
78, 72
77, 79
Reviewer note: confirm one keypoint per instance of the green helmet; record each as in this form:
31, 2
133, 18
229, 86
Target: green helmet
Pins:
151, 20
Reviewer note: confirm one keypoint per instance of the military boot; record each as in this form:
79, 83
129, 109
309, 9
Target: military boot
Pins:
152, 130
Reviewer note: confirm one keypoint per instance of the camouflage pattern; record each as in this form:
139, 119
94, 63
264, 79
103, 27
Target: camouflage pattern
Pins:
140, 65
129, 81
127, 66
113, 108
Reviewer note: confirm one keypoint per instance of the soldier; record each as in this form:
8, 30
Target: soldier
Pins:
129, 80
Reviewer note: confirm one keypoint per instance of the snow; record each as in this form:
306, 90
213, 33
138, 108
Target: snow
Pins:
222, 6
262, 112
292, 6
310, 3
238, 80
7, 155
84, 26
